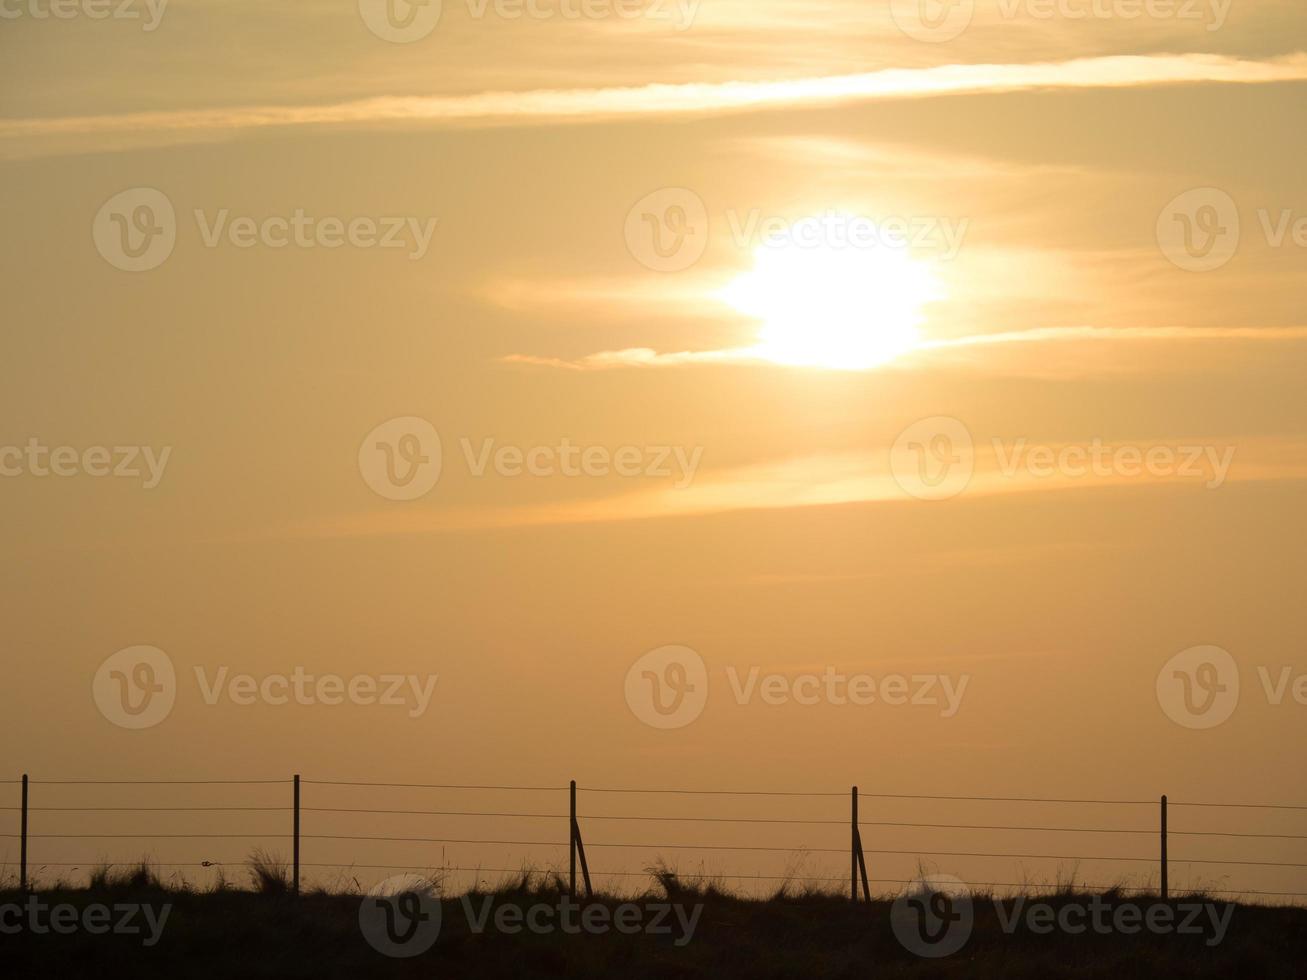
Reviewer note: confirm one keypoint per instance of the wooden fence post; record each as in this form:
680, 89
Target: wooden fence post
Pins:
295, 881
578, 850
22, 850
858, 861
571, 845
1165, 883
853, 849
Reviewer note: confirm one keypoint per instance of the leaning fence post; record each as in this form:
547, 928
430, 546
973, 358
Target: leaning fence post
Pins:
858, 862
571, 845
853, 848
295, 847
1165, 889
578, 850
22, 850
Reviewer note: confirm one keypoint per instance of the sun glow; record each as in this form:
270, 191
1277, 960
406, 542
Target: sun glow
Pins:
834, 305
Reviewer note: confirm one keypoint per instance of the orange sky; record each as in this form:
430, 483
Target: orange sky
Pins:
598, 228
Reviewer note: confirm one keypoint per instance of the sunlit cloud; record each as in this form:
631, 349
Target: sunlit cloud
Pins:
637, 357
116, 131
860, 477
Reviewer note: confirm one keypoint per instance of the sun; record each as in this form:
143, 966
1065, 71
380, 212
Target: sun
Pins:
834, 305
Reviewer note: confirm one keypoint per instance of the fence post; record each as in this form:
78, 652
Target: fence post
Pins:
1165, 888
571, 845
22, 850
578, 850
853, 849
858, 861
295, 847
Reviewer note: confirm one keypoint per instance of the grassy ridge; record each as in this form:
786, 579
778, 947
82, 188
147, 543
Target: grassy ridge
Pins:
230, 933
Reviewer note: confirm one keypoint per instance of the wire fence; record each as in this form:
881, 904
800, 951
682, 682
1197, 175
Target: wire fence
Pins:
309, 816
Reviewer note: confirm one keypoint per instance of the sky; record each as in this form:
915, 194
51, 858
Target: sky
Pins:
527, 347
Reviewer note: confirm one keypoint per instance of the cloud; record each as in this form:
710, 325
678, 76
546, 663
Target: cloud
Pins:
865, 477
37, 136
636, 357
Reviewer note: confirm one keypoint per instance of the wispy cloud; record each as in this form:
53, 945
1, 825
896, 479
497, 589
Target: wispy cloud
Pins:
36, 136
636, 357
850, 477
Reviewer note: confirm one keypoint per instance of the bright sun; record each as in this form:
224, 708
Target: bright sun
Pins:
834, 305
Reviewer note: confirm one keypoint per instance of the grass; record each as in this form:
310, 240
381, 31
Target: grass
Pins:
803, 929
